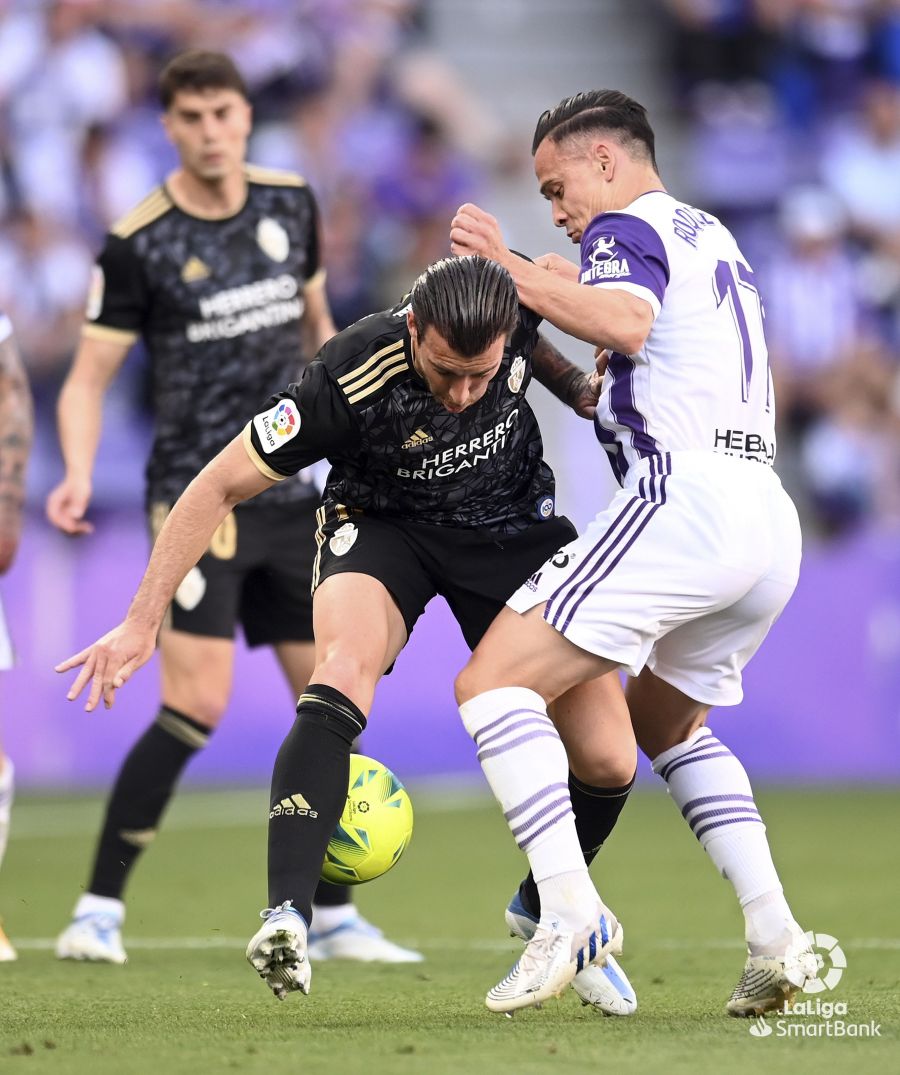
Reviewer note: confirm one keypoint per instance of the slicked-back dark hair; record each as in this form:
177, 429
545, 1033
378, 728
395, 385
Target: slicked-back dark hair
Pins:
598, 110
196, 70
469, 300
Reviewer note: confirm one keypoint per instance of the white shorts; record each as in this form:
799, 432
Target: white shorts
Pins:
6, 650
685, 572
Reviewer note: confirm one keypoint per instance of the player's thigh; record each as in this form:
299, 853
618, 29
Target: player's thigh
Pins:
522, 650
662, 715
275, 606
370, 589
705, 658
479, 572
595, 726
196, 674
359, 633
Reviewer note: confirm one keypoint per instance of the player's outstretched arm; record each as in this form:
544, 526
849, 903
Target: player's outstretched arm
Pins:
605, 317
574, 387
109, 662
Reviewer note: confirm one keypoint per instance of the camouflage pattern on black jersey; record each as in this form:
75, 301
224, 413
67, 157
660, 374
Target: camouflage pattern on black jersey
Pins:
396, 451
219, 304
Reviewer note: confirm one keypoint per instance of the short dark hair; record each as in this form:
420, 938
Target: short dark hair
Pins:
469, 300
598, 110
196, 70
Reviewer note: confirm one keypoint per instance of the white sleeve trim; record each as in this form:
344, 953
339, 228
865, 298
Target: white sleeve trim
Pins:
633, 289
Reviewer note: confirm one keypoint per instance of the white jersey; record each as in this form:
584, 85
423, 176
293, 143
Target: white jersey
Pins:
701, 381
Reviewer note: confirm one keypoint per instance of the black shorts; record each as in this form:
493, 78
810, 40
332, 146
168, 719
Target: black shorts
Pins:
473, 570
257, 572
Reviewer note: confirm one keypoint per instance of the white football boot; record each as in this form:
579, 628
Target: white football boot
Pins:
95, 932
277, 951
770, 982
352, 937
552, 958
7, 952
605, 988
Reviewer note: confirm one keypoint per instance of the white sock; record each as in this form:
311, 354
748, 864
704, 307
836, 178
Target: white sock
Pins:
7, 792
331, 916
526, 766
91, 904
711, 788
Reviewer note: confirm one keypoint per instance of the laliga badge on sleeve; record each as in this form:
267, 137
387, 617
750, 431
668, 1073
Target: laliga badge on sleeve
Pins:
344, 539
277, 425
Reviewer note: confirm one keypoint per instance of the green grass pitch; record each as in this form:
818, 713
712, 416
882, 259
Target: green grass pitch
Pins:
187, 1002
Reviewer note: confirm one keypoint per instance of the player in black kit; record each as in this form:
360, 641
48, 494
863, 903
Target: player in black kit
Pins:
219, 271
437, 486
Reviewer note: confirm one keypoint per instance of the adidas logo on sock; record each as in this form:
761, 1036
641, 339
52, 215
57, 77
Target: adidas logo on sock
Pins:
296, 805
418, 438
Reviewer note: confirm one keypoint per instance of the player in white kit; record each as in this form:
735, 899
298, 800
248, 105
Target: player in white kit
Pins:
679, 580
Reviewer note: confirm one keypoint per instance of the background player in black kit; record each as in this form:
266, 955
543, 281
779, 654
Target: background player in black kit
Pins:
437, 486
219, 271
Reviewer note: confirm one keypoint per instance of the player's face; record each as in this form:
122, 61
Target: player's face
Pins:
569, 180
209, 129
455, 380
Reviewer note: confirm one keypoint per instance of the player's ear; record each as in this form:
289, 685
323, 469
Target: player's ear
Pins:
602, 158
412, 326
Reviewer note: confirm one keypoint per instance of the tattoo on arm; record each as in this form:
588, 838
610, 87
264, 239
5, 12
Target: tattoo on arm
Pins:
566, 381
16, 431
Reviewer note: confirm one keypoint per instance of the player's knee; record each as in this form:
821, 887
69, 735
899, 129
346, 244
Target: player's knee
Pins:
612, 769
470, 681
348, 672
205, 707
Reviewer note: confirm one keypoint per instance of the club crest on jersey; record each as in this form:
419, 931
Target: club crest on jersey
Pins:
603, 262
273, 239
344, 539
277, 426
516, 374
95, 294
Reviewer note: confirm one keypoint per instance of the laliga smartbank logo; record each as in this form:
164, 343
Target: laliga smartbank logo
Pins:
817, 1018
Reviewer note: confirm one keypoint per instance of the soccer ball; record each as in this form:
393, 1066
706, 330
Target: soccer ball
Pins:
374, 829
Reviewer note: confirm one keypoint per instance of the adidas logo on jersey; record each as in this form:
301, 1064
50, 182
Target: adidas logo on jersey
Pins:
296, 805
193, 270
418, 438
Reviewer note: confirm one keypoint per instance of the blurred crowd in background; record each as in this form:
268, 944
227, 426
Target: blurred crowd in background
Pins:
792, 125
789, 111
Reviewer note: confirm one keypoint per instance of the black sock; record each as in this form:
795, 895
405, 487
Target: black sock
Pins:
309, 789
596, 813
142, 789
329, 895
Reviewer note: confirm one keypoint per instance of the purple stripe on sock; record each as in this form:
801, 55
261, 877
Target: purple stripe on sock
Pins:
706, 799
647, 516
500, 720
701, 744
539, 719
562, 801
705, 815
492, 752
516, 810
729, 821
640, 507
653, 461
559, 817
697, 757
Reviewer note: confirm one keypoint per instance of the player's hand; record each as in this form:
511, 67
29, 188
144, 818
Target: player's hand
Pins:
473, 231
67, 504
109, 662
601, 360
559, 266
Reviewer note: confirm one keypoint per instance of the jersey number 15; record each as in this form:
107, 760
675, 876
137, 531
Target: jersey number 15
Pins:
734, 282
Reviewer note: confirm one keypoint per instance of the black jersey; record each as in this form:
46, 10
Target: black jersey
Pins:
219, 304
394, 449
